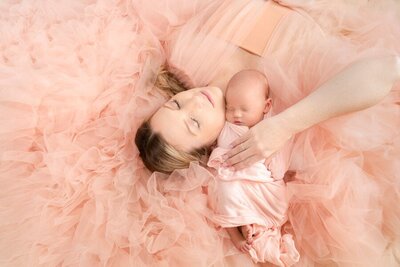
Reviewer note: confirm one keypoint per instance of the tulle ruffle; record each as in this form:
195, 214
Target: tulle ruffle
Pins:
76, 82
341, 209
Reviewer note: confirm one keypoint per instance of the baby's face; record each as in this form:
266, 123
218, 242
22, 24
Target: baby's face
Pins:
246, 105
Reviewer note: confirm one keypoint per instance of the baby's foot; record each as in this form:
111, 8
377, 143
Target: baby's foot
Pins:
247, 232
257, 233
241, 244
250, 233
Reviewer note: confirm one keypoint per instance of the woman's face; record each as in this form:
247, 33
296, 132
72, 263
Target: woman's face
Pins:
191, 119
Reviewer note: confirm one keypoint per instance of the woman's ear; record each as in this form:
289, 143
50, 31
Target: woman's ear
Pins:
268, 105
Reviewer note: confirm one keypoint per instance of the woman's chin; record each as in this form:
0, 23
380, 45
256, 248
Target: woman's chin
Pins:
219, 97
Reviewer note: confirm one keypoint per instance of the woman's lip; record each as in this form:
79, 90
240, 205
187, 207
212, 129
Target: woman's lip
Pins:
208, 97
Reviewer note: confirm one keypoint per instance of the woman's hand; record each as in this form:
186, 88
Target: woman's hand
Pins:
260, 142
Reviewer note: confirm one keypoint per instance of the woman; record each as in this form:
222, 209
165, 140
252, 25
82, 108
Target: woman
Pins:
319, 67
73, 92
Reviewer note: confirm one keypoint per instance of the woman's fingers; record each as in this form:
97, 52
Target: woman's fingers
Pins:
246, 163
240, 153
239, 148
240, 140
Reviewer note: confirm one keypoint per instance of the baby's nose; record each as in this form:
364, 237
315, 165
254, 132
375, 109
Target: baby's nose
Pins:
237, 113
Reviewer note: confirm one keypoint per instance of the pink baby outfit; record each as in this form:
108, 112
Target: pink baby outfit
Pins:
251, 196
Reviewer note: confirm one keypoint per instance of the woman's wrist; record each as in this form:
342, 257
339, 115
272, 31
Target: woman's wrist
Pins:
291, 122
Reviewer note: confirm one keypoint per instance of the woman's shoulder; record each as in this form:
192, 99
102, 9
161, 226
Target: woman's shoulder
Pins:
204, 48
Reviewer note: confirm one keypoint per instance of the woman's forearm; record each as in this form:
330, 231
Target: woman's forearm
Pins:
358, 86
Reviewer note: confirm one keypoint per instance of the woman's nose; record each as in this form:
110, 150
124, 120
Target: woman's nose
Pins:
196, 102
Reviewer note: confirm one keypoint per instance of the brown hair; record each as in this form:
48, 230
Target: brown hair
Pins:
156, 153
168, 83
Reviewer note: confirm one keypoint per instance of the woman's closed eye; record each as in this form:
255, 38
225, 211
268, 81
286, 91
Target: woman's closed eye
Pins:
196, 122
176, 103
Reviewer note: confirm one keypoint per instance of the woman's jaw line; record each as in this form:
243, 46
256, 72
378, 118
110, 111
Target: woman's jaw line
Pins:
209, 98
221, 97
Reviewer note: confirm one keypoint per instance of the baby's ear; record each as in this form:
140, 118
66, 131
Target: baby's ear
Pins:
268, 105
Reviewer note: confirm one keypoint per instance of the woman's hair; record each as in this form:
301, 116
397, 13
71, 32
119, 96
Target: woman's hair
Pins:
168, 82
156, 153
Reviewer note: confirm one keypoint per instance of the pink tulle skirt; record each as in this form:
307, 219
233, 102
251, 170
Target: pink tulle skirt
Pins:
76, 82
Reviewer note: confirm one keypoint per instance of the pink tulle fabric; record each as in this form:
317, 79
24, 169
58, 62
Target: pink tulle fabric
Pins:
76, 81
253, 197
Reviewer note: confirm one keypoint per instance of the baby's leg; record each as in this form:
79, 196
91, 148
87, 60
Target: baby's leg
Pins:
238, 240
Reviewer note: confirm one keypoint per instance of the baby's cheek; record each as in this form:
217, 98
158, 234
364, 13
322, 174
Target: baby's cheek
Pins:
254, 119
229, 117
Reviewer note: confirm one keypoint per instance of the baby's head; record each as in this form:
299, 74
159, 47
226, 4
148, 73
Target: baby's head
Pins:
247, 98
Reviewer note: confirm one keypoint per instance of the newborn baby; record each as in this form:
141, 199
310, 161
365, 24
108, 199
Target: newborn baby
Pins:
251, 203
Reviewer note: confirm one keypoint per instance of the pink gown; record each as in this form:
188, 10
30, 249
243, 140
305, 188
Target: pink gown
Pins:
252, 196
343, 198
76, 82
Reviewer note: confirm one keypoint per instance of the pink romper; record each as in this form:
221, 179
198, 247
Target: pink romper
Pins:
254, 197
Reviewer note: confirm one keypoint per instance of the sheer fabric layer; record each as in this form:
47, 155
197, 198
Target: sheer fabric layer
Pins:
342, 198
76, 82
